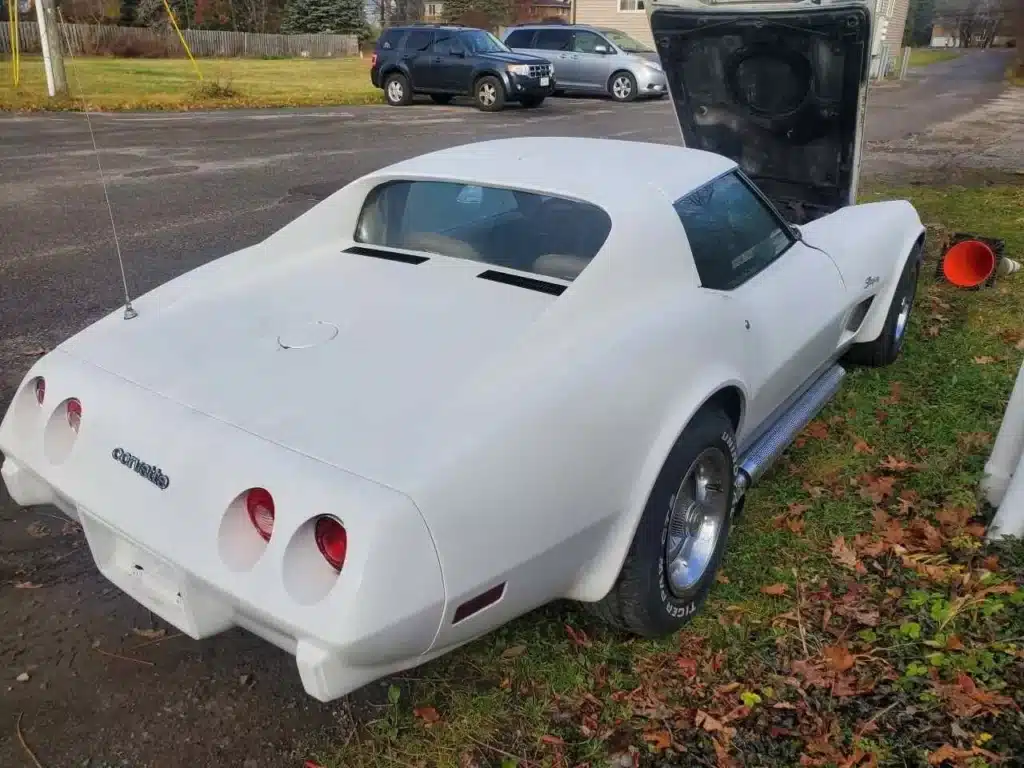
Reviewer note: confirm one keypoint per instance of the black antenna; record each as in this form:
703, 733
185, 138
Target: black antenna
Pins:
129, 311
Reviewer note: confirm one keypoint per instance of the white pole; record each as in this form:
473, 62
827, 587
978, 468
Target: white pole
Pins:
1003, 482
44, 42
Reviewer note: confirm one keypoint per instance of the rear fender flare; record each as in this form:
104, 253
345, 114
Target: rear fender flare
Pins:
875, 320
598, 575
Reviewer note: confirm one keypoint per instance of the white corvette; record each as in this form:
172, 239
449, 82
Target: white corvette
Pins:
487, 377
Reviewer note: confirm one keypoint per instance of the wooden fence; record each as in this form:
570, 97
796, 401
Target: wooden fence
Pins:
93, 39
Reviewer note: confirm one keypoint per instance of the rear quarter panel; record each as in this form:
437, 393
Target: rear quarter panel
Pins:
870, 244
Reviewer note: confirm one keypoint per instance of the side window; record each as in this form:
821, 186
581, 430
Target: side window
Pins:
732, 233
446, 41
388, 39
419, 40
553, 40
587, 42
521, 38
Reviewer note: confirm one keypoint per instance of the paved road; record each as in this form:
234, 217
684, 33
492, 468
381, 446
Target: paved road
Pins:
186, 188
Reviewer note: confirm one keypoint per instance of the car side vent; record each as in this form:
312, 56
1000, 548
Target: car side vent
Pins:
478, 603
859, 313
404, 258
522, 282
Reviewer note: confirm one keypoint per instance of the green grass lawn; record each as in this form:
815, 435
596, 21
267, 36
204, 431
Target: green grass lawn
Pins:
922, 57
859, 620
114, 84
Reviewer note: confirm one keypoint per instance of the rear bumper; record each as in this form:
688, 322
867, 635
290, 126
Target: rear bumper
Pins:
188, 552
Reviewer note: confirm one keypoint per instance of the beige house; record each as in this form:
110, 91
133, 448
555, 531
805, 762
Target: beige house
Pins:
630, 16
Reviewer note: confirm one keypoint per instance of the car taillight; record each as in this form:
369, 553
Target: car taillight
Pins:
40, 390
373, 60
74, 413
260, 506
331, 540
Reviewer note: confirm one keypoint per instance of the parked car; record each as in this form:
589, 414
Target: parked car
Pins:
593, 59
445, 61
487, 377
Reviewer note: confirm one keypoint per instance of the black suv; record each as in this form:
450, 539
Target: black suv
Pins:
446, 61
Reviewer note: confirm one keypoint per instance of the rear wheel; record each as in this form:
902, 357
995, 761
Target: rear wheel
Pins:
489, 94
397, 90
887, 347
622, 86
682, 535
441, 98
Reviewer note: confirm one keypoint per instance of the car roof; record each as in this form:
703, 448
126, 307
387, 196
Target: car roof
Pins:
609, 172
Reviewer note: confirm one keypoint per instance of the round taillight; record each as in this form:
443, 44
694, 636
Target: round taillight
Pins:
331, 540
260, 506
40, 390
74, 413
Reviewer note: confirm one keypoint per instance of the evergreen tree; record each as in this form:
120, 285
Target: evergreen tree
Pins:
331, 16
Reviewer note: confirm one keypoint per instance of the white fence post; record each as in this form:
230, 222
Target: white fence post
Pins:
1003, 483
905, 63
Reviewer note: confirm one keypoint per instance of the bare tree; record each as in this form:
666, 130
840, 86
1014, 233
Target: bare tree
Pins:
975, 22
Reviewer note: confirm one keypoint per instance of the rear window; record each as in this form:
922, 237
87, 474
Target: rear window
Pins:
525, 231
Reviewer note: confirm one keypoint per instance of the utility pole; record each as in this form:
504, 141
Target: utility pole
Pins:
53, 57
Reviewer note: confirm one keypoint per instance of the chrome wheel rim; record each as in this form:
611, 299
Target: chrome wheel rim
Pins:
395, 90
697, 520
902, 318
621, 87
488, 94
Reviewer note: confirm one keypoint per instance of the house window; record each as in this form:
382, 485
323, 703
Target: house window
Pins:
433, 9
629, 6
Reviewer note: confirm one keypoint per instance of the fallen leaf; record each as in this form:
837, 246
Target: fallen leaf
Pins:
578, 637
895, 392
427, 714
984, 359
26, 585
949, 752
513, 652
895, 464
37, 530
776, 590
861, 446
660, 740
149, 634
876, 489
838, 657
707, 722
688, 666
842, 553
548, 738
33, 352
721, 578
817, 429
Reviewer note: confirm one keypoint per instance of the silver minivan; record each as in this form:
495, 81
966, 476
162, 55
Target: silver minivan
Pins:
591, 59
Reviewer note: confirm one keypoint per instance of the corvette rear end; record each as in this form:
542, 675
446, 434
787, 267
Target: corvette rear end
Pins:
211, 527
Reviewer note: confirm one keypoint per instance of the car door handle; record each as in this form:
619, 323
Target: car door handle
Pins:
437, 59
563, 56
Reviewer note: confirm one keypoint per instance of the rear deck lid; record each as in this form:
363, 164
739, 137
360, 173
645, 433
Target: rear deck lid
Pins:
778, 87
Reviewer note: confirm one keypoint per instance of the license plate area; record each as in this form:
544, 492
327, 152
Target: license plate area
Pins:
544, 81
150, 573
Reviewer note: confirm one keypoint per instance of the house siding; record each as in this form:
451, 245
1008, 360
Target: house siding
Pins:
606, 13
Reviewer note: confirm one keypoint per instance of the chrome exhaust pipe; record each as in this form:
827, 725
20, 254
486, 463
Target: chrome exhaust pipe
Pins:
757, 459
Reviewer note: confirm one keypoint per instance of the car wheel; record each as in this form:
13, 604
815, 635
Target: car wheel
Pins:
531, 101
682, 535
887, 347
489, 94
441, 98
397, 90
622, 86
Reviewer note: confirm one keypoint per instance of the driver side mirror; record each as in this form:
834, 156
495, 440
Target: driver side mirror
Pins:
601, 48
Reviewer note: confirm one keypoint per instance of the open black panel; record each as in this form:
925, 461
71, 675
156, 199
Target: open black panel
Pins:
779, 92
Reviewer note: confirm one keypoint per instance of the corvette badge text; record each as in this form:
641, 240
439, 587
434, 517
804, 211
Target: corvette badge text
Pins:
154, 474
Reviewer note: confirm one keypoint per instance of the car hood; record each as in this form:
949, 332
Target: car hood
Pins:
778, 87
376, 349
514, 58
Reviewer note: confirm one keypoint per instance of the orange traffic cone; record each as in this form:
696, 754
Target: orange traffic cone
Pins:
969, 263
